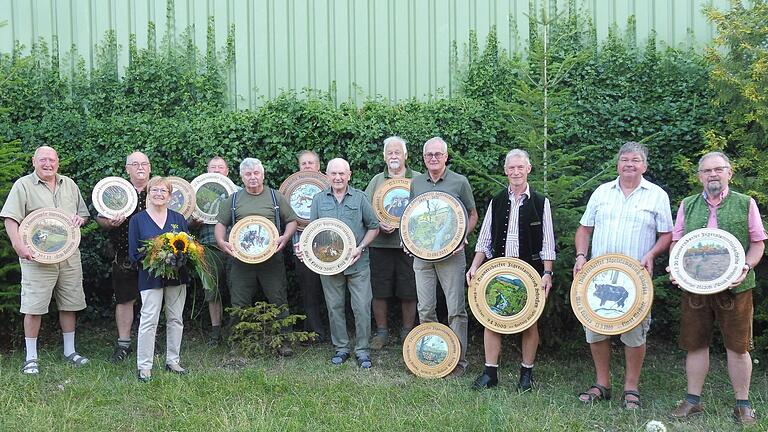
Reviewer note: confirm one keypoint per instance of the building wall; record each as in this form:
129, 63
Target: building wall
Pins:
395, 49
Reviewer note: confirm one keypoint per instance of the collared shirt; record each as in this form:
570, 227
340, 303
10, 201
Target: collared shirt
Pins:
512, 244
30, 193
354, 210
754, 222
384, 240
255, 204
119, 235
627, 225
450, 182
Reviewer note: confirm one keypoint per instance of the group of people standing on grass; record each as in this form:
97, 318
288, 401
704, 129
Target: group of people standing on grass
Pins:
629, 215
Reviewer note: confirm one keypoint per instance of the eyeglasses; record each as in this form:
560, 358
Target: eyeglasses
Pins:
717, 170
155, 190
437, 155
136, 164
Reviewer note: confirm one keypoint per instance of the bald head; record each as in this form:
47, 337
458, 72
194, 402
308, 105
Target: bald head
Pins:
338, 174
46, 163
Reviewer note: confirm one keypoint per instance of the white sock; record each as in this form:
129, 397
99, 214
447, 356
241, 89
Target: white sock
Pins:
31, 348
530, 366
69, 343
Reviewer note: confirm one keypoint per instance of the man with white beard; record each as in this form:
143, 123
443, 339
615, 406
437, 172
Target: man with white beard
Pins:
391, 269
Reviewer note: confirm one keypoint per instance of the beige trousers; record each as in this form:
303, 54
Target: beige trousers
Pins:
151, 303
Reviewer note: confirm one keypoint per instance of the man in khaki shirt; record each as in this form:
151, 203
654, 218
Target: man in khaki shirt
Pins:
39, 282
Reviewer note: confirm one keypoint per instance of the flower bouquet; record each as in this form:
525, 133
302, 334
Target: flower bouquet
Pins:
165, 254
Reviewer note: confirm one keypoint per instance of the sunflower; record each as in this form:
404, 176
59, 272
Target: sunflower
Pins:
180, 243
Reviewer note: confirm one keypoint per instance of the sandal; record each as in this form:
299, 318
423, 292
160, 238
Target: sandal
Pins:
604, 394
364, 362
76, 359
339, 357
631, 404
30, 367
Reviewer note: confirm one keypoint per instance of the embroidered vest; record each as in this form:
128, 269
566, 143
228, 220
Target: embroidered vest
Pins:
732, 216
530, 228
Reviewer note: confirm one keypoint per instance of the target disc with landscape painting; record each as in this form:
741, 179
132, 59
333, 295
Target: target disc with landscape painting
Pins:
327, 245
299, 189
182, 197
706, 261
254, 239
431, 350
113, 196
612, 294
390, 200
433, 226
49, 233
506, 295
211, 190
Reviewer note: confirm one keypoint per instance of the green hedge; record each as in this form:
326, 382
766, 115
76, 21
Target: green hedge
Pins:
170, 104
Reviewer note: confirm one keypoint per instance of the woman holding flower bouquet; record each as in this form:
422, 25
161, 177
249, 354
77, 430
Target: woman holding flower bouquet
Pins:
158, 242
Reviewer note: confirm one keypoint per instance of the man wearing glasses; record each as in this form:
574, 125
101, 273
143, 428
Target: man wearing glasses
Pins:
719, 207
124, 274
450, 271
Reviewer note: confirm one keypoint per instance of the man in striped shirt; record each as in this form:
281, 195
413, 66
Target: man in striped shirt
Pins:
631, 216
518, 224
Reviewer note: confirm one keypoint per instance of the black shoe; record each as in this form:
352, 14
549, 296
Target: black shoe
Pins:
526, 379
214, 341
179, 371
485, 382
120, 354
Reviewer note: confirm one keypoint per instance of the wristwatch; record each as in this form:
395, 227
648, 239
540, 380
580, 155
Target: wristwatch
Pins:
548, 272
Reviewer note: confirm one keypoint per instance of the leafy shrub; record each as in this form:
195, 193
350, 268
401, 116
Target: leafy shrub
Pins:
259, 329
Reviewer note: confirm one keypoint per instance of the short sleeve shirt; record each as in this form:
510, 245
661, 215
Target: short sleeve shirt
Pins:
384, 240
30, 193
627, 225
354, 210
248, 204
450, 182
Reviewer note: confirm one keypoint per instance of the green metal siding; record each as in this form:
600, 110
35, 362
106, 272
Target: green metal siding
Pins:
396, 49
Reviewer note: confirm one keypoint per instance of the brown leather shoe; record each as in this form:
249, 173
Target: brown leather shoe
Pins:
686, 410
744, 415
457, 372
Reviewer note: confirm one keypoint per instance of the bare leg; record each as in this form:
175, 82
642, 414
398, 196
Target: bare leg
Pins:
530, 339
124, 319
215, 311
601, 356
740, 371
32, 325
696, 369
67, 321
380, 312
409, 313
492, 344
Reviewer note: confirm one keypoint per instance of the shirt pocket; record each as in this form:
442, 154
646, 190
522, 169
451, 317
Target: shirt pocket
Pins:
351, 211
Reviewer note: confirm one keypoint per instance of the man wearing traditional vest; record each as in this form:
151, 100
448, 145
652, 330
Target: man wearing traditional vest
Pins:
518, 224
631, 216
719, 207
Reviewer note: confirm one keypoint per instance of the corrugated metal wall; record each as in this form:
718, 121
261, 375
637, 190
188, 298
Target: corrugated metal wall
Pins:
393, 48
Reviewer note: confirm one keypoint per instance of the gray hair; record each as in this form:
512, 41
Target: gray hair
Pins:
250, 163
342, 161
395, 139
517, 153
309, 152
436, 139
713, 154
634, 147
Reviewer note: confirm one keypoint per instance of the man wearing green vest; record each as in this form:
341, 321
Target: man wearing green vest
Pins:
719, 207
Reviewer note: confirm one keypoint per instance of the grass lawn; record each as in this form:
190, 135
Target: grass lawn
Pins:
225, 392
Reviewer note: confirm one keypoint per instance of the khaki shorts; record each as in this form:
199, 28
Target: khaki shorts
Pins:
633, 338
40, 282
733, 313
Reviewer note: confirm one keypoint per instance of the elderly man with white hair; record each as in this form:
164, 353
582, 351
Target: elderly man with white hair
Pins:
257, 199
391, 268
518, 224
350, 206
